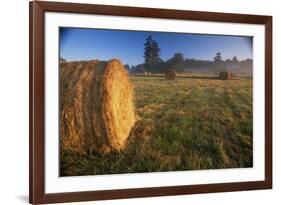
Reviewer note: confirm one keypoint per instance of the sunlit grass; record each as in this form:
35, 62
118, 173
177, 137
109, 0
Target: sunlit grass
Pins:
186, 124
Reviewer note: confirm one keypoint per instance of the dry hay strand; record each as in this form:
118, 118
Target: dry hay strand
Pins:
170, 75
97, 109
225, 75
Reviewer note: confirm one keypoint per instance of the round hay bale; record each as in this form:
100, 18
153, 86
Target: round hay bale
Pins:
225, 75
96, 106
170, 75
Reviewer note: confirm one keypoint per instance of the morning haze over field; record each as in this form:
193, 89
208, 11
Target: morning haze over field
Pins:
166, 102
196, 51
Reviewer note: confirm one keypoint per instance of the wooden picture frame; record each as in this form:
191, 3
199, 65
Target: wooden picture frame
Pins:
37, 10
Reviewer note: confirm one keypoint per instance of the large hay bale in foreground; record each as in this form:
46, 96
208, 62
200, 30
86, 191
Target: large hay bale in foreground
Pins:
225, 75
96, 106
170, 75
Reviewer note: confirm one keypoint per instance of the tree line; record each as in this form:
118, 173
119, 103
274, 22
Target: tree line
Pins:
154, 64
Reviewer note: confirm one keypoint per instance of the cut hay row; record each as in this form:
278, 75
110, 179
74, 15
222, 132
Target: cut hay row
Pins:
96, 106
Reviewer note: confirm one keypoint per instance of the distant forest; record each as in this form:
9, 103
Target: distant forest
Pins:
178, 62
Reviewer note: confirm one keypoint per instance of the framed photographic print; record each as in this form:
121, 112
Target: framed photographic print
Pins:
139, 102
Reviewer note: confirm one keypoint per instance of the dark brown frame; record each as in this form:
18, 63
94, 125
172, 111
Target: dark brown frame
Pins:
36, 106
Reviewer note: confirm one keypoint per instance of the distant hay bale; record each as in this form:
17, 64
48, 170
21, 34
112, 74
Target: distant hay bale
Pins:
170, 75
96, 106
145, 73
225, 75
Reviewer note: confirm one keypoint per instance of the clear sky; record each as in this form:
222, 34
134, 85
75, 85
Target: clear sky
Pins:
86, 44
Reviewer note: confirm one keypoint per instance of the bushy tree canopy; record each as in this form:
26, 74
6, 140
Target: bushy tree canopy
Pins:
177, 62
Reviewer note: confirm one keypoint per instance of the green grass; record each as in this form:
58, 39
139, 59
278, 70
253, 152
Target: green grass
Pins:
186, 124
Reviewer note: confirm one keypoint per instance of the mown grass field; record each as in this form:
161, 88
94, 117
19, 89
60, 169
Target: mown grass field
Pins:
186, 124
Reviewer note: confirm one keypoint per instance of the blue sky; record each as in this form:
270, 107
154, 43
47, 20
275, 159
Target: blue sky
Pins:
86, 44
